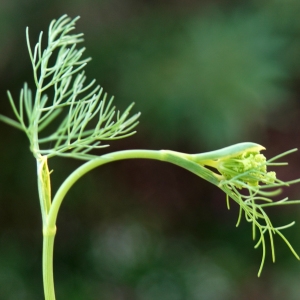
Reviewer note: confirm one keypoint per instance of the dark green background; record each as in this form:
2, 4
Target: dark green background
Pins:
204, 74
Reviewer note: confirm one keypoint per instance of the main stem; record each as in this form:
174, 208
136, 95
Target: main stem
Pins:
179, 159
48, 232
48, 246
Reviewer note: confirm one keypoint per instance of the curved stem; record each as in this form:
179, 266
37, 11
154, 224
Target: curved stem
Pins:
173, 157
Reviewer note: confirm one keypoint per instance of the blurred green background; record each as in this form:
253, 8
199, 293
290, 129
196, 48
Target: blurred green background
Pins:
204, 74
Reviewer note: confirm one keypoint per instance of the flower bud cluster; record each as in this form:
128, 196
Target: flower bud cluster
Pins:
248, 167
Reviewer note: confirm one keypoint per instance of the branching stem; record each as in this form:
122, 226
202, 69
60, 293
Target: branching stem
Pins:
88, 118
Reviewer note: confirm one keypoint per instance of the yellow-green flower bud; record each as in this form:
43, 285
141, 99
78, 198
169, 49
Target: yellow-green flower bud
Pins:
248, 167
242, 164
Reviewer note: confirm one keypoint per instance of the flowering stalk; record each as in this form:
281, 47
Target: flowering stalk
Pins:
240, 167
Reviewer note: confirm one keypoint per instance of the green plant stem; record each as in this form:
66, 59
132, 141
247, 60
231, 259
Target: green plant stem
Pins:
173, 157
48, 246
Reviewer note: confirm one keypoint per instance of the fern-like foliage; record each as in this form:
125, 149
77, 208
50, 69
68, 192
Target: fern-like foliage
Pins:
89, 117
